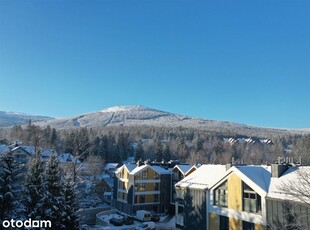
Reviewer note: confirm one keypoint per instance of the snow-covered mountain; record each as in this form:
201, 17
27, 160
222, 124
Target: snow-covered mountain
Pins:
143, 116
13, 118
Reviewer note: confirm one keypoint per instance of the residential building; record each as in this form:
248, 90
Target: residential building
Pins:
192, 196
178, 173
284, 210
237, 199
22, 154
142, 187
110, 168
253, 197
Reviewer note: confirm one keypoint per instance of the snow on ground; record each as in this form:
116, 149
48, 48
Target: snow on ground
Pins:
165, 223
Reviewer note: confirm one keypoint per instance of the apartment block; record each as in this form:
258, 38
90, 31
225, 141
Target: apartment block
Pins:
142, 187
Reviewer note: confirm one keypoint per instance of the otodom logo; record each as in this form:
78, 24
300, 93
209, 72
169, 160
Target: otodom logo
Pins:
27, 223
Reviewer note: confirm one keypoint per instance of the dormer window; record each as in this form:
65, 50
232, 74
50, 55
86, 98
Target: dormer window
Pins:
251, 200
221, 195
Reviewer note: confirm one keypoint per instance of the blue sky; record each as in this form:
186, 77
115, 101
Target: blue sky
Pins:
244, 61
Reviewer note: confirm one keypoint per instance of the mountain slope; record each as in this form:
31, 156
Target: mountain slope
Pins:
143, 116
12, 118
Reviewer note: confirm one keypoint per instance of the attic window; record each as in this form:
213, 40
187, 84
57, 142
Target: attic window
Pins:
221, 195
251, 200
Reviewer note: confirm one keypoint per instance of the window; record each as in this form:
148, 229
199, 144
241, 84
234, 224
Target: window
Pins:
121, 174
142, 199
248, 226
251, 200
121, 185
156, 186
224, 223
140, 187
144, 175
155, 198
221, 195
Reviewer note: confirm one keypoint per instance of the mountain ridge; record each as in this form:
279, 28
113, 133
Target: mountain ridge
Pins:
138, 115
16, 118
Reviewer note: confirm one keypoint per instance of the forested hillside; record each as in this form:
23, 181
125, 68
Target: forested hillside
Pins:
114, 144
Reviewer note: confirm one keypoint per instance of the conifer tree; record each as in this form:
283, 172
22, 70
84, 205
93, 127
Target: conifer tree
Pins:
34, 187
71, 219
139, 151
53, 200
158, 150
8, 194
166, 153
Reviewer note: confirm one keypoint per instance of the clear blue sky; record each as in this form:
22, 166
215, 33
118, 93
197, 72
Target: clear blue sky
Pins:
245, 61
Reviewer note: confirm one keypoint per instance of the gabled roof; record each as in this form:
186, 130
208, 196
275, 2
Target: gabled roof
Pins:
203, 177
292, 175
183, 168
255, 176
68, 157
31, 150
161, 170
27, 150
158, 169
129, 167
110, 166
109, 181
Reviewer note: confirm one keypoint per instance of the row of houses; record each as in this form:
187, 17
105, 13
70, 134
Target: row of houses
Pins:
148, 186
215, 196
24, 153
242, 197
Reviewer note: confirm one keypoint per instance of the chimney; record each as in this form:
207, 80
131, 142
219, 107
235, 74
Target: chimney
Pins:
139, 162
278, 169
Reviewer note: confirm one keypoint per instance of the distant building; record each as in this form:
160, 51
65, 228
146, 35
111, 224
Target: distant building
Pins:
68, 159
24, 153
110, 168
143, 187
21, 154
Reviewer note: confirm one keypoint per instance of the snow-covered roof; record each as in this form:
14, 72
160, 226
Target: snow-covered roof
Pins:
292, 175
47, 152
129, 167
183, 168
139, 169
204, 176
68, 157
260, 175
255, 176
109, 181
161, 170
31, 150
158, 169
28, 149
4, 149
110, 166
